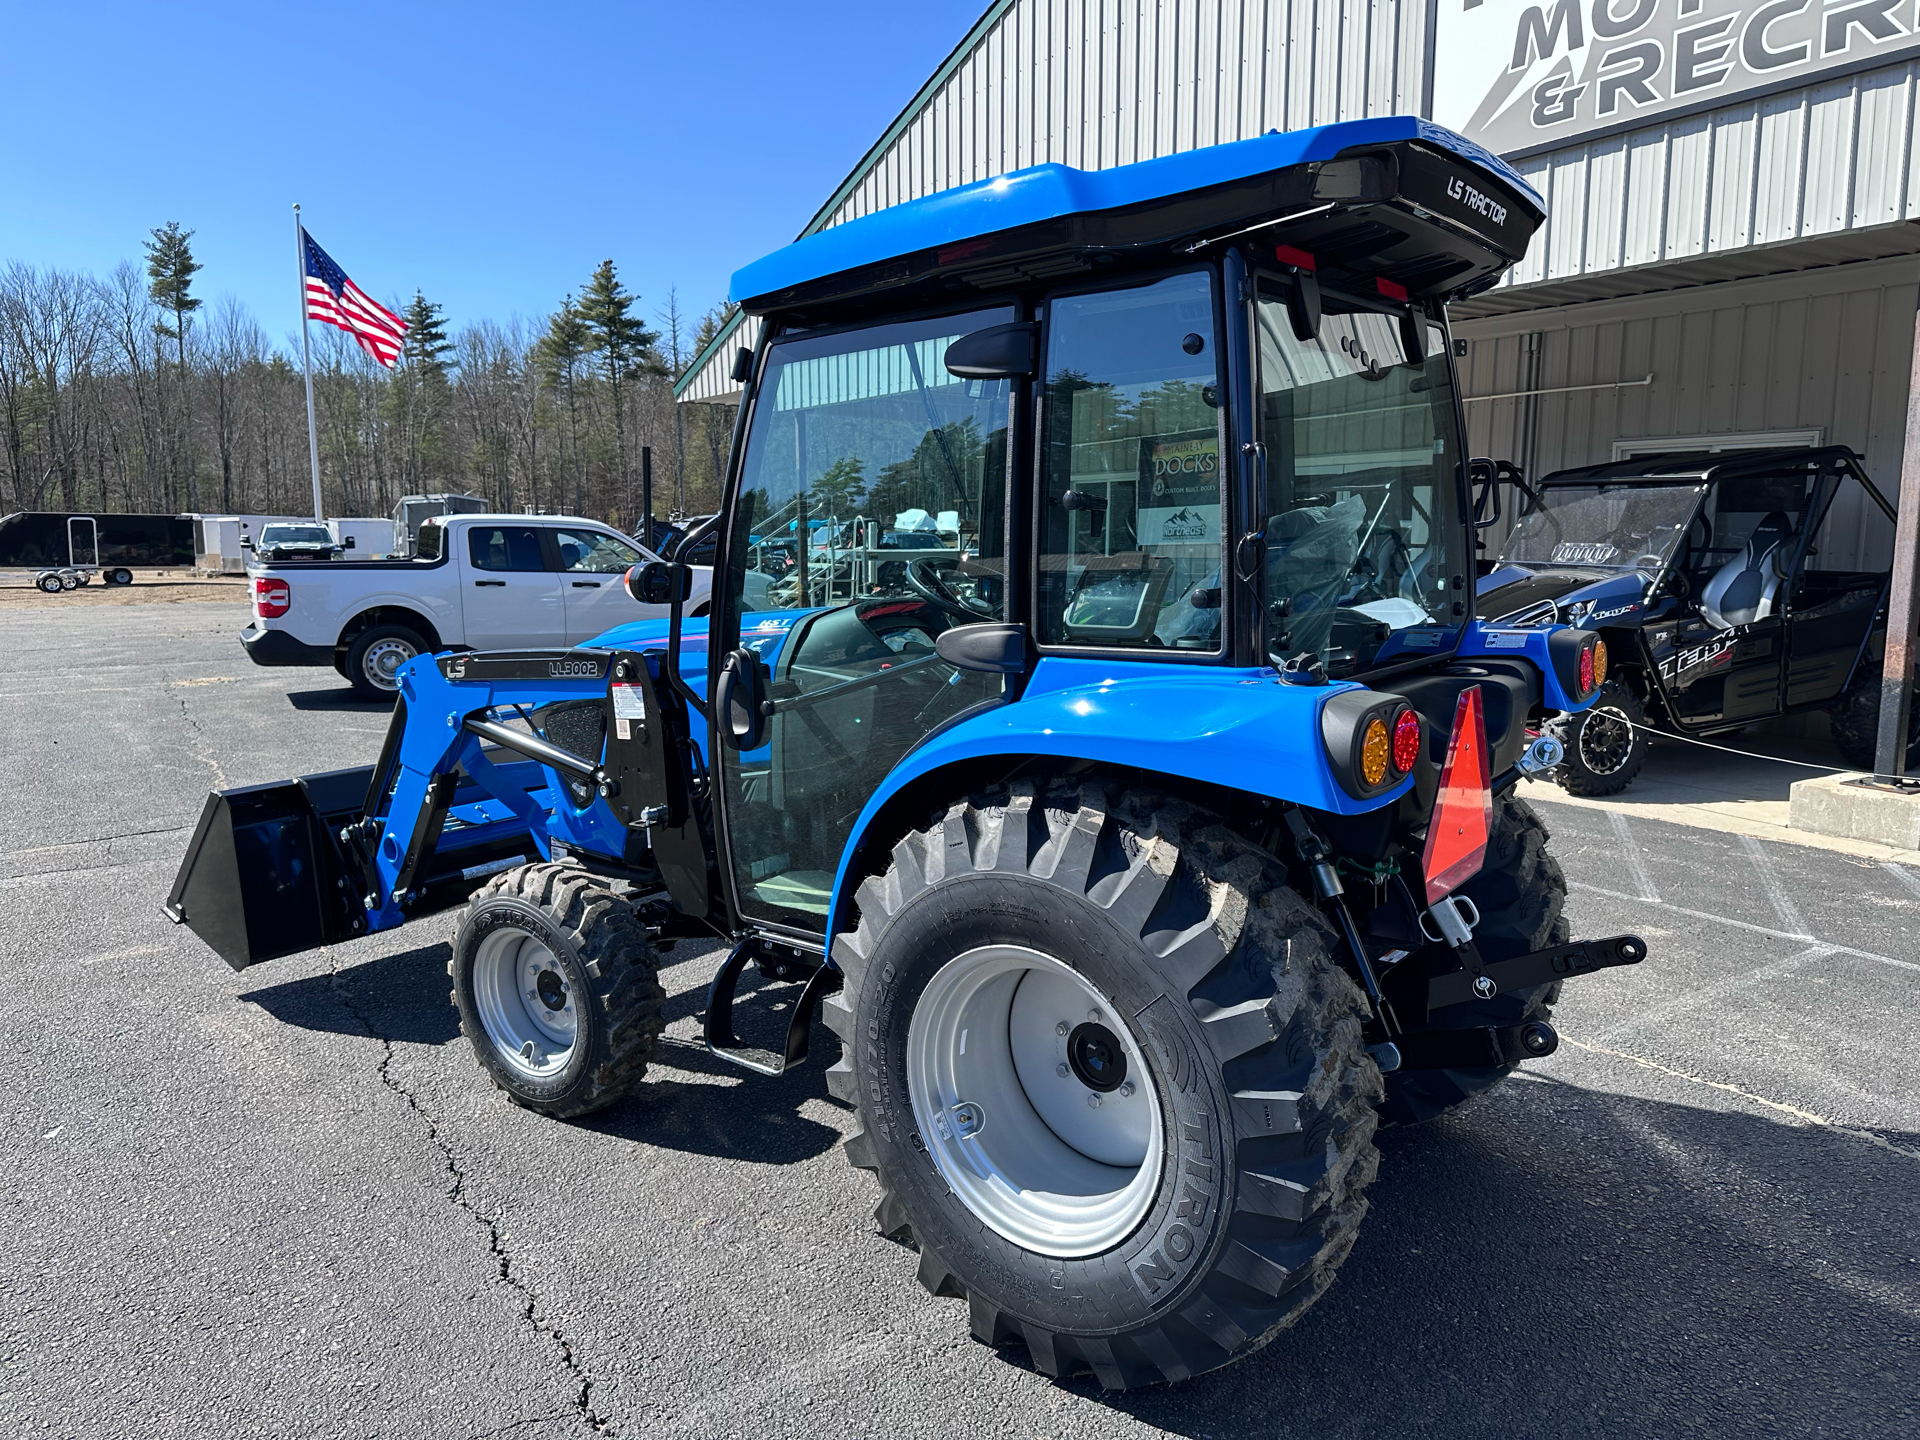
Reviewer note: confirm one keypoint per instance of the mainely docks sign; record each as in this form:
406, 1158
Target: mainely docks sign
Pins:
1523, 75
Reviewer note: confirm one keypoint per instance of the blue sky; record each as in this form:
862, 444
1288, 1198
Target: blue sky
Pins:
488, 154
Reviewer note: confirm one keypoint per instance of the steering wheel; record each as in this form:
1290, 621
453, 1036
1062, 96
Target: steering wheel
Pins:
925, 582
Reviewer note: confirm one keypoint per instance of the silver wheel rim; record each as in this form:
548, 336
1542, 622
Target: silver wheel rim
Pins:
383, 660
1017, 1140
515, 982
1606, 740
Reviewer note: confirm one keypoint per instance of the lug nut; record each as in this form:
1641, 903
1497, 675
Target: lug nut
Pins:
1126, 1089
1061, 1071
1094, 1017
1063, 1029
1093, 1100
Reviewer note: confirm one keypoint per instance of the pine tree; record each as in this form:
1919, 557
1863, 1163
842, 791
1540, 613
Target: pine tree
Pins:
623, 350
562, 351
170, 271
418, 397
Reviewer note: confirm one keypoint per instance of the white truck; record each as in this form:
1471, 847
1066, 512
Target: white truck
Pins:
477, 582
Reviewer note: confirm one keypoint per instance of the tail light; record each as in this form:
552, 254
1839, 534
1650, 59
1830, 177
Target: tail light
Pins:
1599, 663
272, 597
1359, 729
1587, 682
1406, 741
1579, 662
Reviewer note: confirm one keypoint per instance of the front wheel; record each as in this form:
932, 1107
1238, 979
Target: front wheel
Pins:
557, 989
1109, 1077
375, 657
1606, 744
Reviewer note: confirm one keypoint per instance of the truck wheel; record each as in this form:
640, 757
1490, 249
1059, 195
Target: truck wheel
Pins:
1605, 745
49, 581
1856, 723
376, 655
557, 989
1109, 1077
1520, 894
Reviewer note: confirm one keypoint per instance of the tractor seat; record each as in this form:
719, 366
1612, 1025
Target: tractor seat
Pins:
1743, 590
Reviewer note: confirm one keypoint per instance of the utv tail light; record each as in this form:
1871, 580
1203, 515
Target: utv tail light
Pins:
1406, 741
272, 598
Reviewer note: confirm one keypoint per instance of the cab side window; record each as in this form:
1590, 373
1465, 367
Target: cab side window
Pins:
589, 552
505, 547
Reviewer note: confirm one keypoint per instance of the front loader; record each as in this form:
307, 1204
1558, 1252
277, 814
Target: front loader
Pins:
1091, 721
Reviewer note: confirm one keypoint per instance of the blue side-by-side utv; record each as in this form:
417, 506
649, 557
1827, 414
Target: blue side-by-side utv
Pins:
1109, 750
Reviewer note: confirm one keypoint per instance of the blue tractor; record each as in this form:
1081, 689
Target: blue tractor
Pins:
1144, 829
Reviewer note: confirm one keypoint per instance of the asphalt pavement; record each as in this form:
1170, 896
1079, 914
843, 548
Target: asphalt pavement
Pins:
284, 1203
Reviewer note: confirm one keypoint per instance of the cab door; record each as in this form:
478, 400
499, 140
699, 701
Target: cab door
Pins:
826, 645
510, 595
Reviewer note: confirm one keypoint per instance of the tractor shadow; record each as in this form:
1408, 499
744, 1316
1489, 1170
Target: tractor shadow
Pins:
1656, 1270
717, 1109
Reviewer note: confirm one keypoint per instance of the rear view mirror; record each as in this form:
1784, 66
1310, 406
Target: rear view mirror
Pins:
659, 582
1303, 305
246, 542
347, 544
999, 352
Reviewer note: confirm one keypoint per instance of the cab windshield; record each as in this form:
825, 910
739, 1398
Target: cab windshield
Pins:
1603, 527
1365, 546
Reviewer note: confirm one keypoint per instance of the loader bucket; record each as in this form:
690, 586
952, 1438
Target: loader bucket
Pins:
264, 875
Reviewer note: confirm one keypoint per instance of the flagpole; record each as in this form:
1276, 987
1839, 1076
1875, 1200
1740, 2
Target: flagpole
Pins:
306, 362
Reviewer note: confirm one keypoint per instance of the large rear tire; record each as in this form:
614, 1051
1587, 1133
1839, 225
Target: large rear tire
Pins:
557, 989
1147, 1235
1521, 894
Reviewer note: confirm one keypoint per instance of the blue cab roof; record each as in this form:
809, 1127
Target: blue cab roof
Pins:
1048, 192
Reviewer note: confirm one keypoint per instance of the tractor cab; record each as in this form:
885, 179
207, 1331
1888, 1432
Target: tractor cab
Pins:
1726, 585
1177, 419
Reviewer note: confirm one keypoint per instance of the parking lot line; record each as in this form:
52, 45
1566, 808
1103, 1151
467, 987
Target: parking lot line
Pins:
1831, 948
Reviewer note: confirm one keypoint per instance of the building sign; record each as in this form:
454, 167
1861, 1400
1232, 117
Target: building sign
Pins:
1521, 75
1180, 483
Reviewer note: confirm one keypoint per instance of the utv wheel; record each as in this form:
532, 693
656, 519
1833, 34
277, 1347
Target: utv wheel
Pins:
1109, 1077
1520, 894
557, 989
1605, 746
1856, 723
375, 657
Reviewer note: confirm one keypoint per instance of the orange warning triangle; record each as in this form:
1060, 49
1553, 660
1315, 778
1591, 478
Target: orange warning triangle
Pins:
1463, 815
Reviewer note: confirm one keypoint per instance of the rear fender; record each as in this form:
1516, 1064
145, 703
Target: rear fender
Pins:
1241, 729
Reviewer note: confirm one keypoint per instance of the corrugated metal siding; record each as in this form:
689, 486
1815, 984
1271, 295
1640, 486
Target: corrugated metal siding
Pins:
714, 380
1097, 83
1786, 167
1826, 349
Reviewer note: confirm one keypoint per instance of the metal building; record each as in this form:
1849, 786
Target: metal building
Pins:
1729, 257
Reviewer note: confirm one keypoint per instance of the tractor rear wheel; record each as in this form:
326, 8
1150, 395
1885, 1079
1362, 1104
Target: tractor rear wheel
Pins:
1521, 895
1109, 1077
557, 989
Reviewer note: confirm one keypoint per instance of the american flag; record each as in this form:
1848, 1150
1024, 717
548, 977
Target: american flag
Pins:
335, 299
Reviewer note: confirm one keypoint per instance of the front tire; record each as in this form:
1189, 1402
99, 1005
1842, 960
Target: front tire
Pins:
1606, 744
557, 989
375, 657
1145, 1251
1521, 894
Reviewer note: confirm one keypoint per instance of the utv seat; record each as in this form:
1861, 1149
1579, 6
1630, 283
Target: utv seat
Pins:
1744, 589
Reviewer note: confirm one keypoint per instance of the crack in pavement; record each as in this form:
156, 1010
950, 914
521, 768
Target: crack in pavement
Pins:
582, 1402
201, 751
